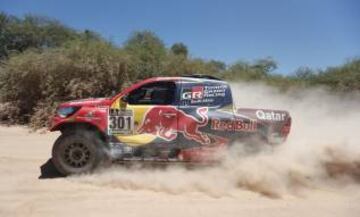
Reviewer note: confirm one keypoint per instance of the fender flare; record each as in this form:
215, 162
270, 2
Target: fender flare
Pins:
68, 127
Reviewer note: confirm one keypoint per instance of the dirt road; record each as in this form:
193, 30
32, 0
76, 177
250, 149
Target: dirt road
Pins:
23, 194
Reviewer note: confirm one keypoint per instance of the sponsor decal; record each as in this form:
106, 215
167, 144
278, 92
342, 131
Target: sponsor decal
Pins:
270, 115
215, 91
204, 94
167, 121
196, 92
89, 115
233, 125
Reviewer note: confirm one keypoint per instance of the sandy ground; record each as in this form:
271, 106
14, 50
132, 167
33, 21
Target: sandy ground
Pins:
23, 194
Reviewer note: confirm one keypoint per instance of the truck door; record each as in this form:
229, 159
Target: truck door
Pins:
208, 102
146, 116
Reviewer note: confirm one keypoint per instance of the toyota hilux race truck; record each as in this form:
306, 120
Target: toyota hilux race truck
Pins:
162, 119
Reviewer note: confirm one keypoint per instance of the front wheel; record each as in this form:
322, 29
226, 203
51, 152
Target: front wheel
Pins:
78, 152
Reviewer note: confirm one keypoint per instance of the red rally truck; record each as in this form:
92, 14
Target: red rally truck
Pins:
166, 119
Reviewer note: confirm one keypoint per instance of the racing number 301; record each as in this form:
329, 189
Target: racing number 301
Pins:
120, 123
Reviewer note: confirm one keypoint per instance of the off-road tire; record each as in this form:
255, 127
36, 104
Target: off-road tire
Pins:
77, 152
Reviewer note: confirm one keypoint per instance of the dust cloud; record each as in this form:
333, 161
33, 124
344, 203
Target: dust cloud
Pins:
323, 150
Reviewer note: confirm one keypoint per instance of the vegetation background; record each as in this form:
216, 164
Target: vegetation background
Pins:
43, 62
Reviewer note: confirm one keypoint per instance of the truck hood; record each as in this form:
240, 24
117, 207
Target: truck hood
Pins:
88, 102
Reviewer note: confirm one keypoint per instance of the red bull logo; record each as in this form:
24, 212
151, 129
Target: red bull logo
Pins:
167, 121
233, 125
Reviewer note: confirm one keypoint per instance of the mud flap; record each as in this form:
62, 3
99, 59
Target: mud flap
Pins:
48, 171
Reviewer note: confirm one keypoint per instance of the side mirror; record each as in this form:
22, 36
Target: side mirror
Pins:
125, 98
123, 102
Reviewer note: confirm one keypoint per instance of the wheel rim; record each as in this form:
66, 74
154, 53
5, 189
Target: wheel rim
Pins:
77, 155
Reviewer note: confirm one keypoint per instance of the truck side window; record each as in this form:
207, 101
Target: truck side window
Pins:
157, 93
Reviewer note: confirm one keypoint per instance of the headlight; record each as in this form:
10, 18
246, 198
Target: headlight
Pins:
66, 111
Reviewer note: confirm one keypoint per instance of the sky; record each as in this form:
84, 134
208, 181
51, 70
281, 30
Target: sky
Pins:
295, 33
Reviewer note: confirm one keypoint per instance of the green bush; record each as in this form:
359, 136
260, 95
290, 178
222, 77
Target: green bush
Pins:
33, 82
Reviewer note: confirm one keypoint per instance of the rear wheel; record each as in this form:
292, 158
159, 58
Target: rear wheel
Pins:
78, 152
250, 145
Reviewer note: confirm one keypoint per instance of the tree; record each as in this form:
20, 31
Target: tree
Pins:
265, 65
179, 49
17, 35
218, 65
343, 78
91, 35
147, 52
304, 73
